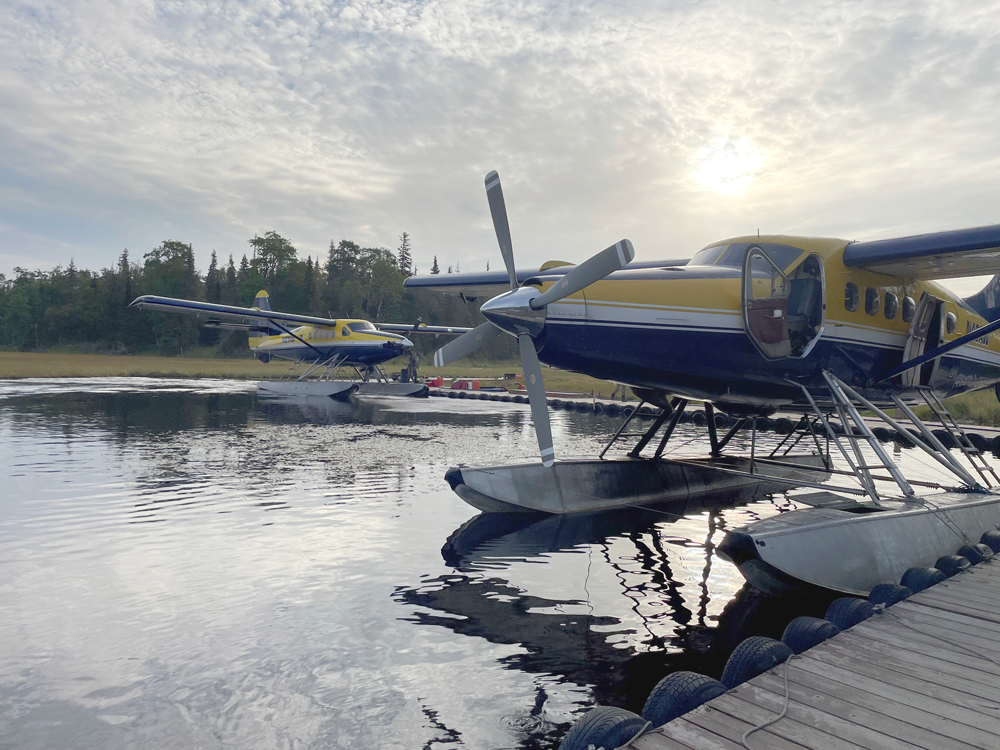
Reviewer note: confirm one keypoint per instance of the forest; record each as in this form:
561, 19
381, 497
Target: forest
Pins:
88, 310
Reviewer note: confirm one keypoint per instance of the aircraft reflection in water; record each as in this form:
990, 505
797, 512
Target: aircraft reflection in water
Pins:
652, 602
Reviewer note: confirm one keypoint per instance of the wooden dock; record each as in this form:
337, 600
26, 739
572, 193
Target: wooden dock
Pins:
917, 676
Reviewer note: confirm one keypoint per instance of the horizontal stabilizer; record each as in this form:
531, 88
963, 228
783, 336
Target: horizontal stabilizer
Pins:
942, 255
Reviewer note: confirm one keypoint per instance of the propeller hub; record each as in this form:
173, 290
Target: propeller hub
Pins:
512, 312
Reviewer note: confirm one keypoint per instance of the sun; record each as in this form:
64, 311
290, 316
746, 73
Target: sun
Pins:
728, 166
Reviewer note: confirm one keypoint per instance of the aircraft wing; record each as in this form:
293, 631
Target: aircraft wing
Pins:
419, 328
232, 318
493, 283
942, 255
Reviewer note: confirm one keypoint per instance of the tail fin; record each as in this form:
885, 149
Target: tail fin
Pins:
986, 302
262, 301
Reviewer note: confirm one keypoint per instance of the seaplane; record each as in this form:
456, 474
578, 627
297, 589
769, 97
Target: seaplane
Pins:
835, 332
320, 349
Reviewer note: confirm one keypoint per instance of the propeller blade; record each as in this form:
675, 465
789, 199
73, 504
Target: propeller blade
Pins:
536, 397
494, 193
591, 270
465, 344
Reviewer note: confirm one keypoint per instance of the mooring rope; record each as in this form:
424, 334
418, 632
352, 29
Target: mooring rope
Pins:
774, 719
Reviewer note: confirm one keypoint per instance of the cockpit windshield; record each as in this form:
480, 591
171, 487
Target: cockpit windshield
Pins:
732, 255
361, 325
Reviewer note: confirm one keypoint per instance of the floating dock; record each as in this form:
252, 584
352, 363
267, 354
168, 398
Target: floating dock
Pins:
925, 674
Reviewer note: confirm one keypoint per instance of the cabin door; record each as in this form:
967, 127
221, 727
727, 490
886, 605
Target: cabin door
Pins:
765, 304
925, 330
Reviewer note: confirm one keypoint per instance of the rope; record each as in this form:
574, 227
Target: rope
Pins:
645, 728
949, 522
773, 719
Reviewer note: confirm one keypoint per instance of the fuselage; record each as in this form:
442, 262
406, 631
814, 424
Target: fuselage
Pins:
349, 342
684, 330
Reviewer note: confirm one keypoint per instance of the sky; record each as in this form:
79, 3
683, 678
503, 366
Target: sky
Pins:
673, 124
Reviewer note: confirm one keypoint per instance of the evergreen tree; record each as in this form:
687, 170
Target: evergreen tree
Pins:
230, 289
435, 269
405, 257
213, 281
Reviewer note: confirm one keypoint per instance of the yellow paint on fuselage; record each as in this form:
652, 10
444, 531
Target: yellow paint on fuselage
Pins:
322, 336
723, 296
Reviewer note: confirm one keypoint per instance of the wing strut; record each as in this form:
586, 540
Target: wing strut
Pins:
276, 324
943, 349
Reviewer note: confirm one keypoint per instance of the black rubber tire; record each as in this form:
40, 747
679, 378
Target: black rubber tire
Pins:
687, 417
598, 407
507, 399
848, 611
721, 420
976, 553
603, 726
991, 539
699, 418
613, 410
520, 400
754, 656
945, 437
569, 405
627, 411
883, 434
952, 564
982, 444
646, 411
452, 394
837, 427
995, 445
556, 403
803, 633
784, 426
678, 693
764, 424
918, 579
889, 594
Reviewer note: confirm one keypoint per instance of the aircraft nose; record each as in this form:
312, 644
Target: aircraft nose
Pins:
406, 343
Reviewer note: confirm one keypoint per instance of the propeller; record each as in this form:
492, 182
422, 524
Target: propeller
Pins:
521, 312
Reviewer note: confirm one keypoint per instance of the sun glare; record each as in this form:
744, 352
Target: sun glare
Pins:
728, 166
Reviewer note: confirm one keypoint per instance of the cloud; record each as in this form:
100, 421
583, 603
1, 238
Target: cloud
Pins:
129, 123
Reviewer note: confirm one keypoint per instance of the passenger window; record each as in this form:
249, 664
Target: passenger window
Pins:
871, 301
891, 305
852, 297
951, 322
344, 331
909, 307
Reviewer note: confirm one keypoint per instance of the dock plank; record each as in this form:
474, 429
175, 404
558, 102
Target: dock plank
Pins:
906, 722
917, 667
924, 675
925, 641
924, 655
870, 737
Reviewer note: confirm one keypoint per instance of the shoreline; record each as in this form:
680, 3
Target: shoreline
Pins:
23, 365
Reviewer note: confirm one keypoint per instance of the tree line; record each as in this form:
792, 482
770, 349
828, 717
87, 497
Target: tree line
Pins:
68, 306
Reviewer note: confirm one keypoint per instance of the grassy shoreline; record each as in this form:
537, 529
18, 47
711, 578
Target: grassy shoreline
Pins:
19, 365
981, 407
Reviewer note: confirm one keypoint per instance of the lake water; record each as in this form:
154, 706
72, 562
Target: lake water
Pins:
186, 565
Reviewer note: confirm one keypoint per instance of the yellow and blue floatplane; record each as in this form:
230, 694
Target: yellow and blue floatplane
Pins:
326, 348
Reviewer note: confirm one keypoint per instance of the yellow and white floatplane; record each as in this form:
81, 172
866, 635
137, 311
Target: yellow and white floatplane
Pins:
330, 357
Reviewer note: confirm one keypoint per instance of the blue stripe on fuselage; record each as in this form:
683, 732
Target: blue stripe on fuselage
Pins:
357, 355
715, 363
